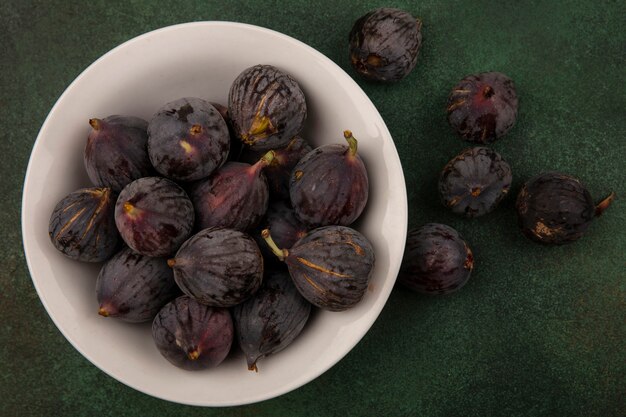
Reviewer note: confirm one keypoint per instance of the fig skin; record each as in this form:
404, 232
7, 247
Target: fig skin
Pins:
384, 44
267, 107
82, 225
116, 151
193, 336
436, 260
134, 287
236, 146
331, 266
474, 182
271, 319
330, 185
187, 139
154, 216
218, 267
235, 196
483, 107
556, 208
279, 170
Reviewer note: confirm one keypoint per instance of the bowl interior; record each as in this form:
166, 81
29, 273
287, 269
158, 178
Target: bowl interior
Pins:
202, 59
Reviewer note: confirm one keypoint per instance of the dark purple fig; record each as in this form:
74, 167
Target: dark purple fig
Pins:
474, 182
279, 171
329, 186
436, 260
134, 287
116, 151
271, 319
235, 196
219, 267
556, 208
193, 336
331, 266
483, 107
187, 139
267, 107
236, 146
384, 44
82, 225
154, 216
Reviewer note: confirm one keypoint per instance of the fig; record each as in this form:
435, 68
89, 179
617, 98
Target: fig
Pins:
116, 151
154, 216
187, 139
384, 44
267, 107
236, 146
279, 170
193, 336
556, 208
235, 196
483, 107
219, 267
474, 182
329, 186
134, 287
82, 225
436, 260
285, 226
271, 319
331, 266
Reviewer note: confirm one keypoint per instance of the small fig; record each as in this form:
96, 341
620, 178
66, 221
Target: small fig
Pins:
116, 151
271, 319
483, 107
82, 225
154, 216
235, 196
193, 336
279, 170
218, 267
474, 182
331, 266
187, 139
134, 287
436, 260
329, 186
384, 44
267, 107
556, 208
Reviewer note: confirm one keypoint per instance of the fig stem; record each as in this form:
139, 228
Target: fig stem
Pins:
604, 204
95, 123
280, 253
267, 159
193, 355
195, 130
103, 312
171, 262
352, 142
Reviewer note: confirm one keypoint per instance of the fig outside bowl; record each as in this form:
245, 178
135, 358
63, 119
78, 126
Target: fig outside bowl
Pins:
202, 59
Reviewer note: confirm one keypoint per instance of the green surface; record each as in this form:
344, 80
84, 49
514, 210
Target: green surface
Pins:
537, 331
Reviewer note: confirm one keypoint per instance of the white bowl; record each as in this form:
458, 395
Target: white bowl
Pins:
136, 78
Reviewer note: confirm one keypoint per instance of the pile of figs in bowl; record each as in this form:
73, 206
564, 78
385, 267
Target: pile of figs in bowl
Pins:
201, 61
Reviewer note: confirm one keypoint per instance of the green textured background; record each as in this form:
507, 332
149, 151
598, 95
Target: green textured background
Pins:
537, 331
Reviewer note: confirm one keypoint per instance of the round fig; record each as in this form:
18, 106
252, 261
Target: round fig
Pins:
187, 139
436, 260
116, 151
218, 267
279, 170
134, 287
483, 107
267, 107
154, 216
193, 336
82, 225
474, 182
331, 266
329, 186
271, 319
384, 44
235, 196
556, 208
